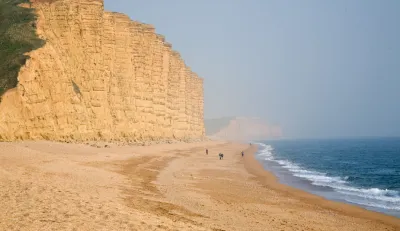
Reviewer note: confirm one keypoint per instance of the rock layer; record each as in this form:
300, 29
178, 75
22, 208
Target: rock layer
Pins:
101, 76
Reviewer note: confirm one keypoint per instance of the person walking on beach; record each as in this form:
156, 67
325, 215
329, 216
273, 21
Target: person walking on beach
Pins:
206, 151
242, 153
221, 156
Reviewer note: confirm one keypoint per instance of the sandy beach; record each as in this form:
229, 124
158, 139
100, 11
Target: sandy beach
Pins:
57, 186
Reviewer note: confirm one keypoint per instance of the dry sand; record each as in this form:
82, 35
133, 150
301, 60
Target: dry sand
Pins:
54, 186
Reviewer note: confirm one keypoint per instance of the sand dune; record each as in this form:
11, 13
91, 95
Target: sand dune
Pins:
54, 186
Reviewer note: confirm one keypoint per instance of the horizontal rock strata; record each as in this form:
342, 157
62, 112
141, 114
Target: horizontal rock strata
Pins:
101, 76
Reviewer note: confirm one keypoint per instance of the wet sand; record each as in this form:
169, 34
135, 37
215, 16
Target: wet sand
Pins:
54, 186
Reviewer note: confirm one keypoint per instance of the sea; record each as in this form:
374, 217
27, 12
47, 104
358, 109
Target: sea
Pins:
364, 172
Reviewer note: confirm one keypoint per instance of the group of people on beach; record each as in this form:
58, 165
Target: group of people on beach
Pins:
221, 155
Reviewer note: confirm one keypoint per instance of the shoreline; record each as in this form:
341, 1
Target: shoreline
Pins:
267, 178
59, 186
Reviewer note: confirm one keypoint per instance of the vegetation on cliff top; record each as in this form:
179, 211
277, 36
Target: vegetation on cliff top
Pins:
17, 36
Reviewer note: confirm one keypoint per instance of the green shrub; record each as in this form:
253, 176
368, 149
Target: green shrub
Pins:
17, 36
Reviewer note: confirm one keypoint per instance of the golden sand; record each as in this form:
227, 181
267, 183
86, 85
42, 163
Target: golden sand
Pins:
54, 186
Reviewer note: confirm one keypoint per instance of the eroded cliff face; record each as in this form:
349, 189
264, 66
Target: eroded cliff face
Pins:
101, 76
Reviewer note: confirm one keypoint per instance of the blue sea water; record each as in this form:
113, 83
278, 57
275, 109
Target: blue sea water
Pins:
365, 172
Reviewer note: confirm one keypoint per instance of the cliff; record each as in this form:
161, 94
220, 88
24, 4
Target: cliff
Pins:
100, 76
241, 129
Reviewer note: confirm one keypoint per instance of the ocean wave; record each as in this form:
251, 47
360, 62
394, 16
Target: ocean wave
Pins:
385, 195
265, 152
374, 197
373, 204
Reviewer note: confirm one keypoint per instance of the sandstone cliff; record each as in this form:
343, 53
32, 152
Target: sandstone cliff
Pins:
101, 76
241, 129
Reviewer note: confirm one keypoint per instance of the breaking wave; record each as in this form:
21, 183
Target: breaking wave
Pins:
374, 197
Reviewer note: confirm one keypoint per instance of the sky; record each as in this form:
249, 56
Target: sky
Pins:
319, 69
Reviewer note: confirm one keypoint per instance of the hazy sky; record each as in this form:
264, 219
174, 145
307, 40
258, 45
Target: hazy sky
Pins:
318, 68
